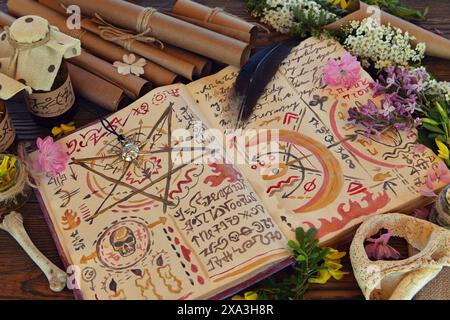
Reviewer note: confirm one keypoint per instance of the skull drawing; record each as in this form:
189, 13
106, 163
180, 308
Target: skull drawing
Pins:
123, 241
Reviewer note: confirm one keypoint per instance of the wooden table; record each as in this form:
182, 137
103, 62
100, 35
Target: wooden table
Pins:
21, 279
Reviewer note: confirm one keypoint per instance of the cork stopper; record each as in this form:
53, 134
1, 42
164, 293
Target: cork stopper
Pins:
29, 29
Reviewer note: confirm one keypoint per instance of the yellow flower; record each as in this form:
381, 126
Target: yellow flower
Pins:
443, 149
322, 277
344, 3
63, 129
7, 172
251, 295
333, 268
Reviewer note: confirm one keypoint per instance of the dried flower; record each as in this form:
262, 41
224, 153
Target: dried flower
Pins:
293, 16
381, 45
422, 213
401, 89
7, 171
345, 71
63, 129
333, 266
250, 295
130, 65
343, 3
443, 151
379, 249
435, 176
51, 159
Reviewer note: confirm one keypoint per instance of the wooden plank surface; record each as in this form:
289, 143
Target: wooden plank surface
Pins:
21, 279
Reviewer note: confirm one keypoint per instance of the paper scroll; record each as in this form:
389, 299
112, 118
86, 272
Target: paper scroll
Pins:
437, 46
215, 19
180, 64
106, 95
167, 29
99, 47
133, 86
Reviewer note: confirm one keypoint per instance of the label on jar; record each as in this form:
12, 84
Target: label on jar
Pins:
53, 103
7, 132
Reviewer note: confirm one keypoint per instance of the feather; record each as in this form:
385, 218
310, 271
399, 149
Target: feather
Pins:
256, 74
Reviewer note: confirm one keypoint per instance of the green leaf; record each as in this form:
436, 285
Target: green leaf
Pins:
432, 128
311, 233
293, 245
300, 234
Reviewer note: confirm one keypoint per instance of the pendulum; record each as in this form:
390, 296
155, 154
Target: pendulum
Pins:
130, 151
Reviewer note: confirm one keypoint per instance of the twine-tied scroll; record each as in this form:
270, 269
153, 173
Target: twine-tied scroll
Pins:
18, 47
215, 11
112, 33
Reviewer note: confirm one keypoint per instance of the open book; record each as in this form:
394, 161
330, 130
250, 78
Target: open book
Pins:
169, 220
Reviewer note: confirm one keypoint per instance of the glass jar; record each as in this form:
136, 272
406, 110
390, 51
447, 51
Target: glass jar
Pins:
57, 106
15, 193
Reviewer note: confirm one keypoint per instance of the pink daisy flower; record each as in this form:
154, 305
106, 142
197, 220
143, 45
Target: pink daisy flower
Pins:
51, 159
345, 72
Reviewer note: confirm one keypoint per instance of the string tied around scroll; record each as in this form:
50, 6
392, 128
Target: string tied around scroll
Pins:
215, 11
112, 33
18, 47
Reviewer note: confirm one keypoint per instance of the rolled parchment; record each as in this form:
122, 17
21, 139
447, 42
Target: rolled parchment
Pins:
215, 19
133, 86
147, 50
233, 33
437, 46
202, 66
167, 29
158, 75
105, 95
6, 19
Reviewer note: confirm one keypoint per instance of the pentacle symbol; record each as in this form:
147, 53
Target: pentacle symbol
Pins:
135, 173
302, 171
123, 244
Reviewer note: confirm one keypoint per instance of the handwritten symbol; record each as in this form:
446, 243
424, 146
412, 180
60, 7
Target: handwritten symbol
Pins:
161, 220
73, 175
318, 101
71, 220
310, 186
355, 188
85, 259
66, 196
289, 117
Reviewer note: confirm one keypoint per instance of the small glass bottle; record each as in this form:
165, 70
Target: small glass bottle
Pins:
34, 53
57, 106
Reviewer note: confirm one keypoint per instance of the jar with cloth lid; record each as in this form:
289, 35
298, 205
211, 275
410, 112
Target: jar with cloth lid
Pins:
33, 52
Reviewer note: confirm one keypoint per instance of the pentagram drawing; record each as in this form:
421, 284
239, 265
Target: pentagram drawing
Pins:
134, 175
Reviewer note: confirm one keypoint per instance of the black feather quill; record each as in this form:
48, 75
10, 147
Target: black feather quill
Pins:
256, 74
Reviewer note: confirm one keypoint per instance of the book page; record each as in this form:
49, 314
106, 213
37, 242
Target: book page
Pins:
162, 221
323, 171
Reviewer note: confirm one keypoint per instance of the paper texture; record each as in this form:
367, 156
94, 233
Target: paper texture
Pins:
106, 95
156, 229
331, 176
167, 29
